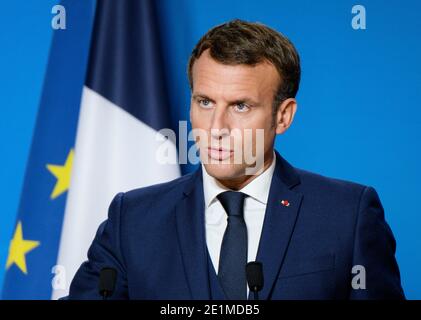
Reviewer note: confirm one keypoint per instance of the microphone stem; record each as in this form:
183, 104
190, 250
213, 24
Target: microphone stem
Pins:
256, 295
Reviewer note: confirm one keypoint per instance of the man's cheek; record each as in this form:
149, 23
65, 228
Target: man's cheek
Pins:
236, 144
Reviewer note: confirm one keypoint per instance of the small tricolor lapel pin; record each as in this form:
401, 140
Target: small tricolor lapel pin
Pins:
285, 203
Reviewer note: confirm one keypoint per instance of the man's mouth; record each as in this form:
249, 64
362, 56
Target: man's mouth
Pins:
219, 153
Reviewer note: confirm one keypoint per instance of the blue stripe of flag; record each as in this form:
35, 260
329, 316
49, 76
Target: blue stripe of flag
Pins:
125, 64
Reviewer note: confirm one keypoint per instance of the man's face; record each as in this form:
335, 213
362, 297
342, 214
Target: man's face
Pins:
233, 98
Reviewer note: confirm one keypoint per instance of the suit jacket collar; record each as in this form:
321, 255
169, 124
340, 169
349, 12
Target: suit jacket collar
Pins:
191, 235
281, 215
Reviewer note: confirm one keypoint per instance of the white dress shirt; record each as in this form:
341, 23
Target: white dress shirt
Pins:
254, 212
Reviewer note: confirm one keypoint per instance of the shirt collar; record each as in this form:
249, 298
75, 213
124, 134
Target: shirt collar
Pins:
258, 188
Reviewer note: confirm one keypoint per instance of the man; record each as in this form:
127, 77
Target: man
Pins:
191, 238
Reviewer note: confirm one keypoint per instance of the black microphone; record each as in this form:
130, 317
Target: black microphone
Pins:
107, 279
254, 274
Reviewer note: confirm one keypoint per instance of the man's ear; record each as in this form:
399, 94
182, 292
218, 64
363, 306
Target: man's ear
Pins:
285, 115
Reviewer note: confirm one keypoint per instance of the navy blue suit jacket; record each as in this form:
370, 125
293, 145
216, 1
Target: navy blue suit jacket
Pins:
155, 238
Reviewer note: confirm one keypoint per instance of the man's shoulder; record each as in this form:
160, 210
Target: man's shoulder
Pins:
322, 185
161, 191
315, 184
150, 202
339, 199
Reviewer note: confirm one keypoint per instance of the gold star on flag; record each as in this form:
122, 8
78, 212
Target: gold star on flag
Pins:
18, 248
62, 173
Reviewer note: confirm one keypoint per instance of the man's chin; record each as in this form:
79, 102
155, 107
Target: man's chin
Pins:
224, 171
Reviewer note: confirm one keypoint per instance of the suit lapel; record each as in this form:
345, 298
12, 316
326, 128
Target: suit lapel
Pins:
191, 236
279, 223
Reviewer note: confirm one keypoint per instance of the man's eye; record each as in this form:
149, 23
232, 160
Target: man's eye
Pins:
241, 107
205, 103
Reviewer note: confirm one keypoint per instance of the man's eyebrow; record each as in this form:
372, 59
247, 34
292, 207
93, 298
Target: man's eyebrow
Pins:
247, 100
201, 95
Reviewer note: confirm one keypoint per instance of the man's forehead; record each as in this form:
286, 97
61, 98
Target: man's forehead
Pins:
209, 74
205, 61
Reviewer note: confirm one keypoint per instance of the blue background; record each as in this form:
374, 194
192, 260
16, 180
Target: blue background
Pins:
359, 115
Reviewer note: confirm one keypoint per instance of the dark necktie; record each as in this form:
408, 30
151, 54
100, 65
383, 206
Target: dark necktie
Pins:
233, 255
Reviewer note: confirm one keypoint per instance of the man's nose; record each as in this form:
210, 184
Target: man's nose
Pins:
219, 125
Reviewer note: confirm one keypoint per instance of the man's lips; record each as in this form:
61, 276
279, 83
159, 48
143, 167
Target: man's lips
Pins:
219, 153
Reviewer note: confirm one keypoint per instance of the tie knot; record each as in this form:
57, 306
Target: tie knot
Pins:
233, 202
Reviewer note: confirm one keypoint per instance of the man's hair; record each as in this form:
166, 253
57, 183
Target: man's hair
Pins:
241, 42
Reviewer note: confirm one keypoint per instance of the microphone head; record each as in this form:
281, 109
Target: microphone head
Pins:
254, 274
107, 279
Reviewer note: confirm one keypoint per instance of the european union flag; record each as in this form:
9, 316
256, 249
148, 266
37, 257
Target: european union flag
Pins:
35, 239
